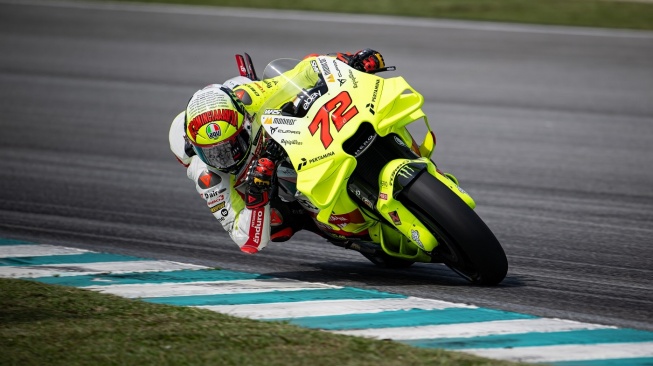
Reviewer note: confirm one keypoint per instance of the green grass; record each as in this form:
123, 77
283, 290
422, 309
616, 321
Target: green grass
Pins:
54, 325
593, 13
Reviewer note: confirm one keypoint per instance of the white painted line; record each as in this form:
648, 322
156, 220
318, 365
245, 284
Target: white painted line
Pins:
330, 307
473, 329
38, 250
311, 16
81, 269
208, 288
572, 352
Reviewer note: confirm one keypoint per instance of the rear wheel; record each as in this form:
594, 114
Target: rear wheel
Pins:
465, 243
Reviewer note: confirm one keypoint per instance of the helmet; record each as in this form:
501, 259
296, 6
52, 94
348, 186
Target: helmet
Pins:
217, 127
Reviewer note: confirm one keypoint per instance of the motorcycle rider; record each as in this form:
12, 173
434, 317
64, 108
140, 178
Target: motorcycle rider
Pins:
232, 164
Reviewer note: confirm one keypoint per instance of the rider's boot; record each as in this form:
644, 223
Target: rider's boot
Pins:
286, 218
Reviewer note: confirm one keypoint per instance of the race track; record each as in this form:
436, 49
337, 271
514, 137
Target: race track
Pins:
549, 129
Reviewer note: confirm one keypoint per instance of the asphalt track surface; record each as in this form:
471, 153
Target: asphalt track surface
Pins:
549, 129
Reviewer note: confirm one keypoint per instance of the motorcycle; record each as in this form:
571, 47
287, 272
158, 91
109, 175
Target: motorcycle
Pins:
353, 165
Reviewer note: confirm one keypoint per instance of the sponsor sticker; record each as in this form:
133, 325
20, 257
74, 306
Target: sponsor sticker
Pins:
301, 165
315, 67
244, 96
321, 157
414, 234
399, 141
284, 121
257, 225
325, 67
367, 202
282, 131
213, 195
218, 207
335, 66
208, 179
394, 216
290, 142
353, 79
311, 98
364, 145
375, 93
208, 117
252, 89
213, 130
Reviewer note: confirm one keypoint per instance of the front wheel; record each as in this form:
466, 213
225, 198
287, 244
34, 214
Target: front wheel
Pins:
465, 243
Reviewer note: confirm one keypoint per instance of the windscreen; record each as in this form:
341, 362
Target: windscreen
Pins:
290, 78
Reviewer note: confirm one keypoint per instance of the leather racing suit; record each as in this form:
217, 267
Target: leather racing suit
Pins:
224, 193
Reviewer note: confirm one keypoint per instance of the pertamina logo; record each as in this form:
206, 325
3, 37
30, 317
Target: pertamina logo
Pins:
324, 156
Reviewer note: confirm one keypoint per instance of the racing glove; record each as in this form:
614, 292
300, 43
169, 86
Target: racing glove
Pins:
366, 60
259, 180
273, 150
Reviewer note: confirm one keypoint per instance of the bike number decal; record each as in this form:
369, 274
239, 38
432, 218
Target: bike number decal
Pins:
337, 111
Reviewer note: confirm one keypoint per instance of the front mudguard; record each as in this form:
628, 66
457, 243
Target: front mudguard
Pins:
417, 242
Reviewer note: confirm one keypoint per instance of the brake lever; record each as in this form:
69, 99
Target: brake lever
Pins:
389, 68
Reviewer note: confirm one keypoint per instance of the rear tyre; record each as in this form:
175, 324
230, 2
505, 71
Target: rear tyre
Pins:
465, 243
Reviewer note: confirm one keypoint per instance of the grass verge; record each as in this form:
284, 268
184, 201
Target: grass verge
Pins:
54, 325
590, 13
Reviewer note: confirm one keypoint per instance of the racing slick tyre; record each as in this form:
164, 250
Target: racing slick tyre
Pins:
465, 243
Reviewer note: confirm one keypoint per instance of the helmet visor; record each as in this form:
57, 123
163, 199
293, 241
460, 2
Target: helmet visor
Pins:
226, 155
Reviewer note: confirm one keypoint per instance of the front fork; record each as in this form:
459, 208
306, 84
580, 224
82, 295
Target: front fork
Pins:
416, 242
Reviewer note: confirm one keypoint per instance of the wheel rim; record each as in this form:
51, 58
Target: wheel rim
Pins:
452, 258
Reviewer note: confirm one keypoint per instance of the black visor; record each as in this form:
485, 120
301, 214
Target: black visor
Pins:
228, 154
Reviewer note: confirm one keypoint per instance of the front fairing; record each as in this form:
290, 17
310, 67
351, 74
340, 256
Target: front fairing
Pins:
314, 142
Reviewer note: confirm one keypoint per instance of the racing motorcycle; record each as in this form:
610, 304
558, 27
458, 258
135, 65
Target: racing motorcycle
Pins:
352, 164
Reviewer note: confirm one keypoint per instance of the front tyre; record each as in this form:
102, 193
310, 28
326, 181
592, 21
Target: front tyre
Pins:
465, 243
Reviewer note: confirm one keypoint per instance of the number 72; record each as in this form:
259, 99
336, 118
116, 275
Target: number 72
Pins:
341, 114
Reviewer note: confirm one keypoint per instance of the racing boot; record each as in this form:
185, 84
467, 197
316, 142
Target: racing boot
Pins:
285, 220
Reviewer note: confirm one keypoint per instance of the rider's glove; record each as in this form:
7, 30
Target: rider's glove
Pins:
259, 180
366, 60
273, 150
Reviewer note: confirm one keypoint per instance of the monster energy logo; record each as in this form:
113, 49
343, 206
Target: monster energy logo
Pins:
406, 171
